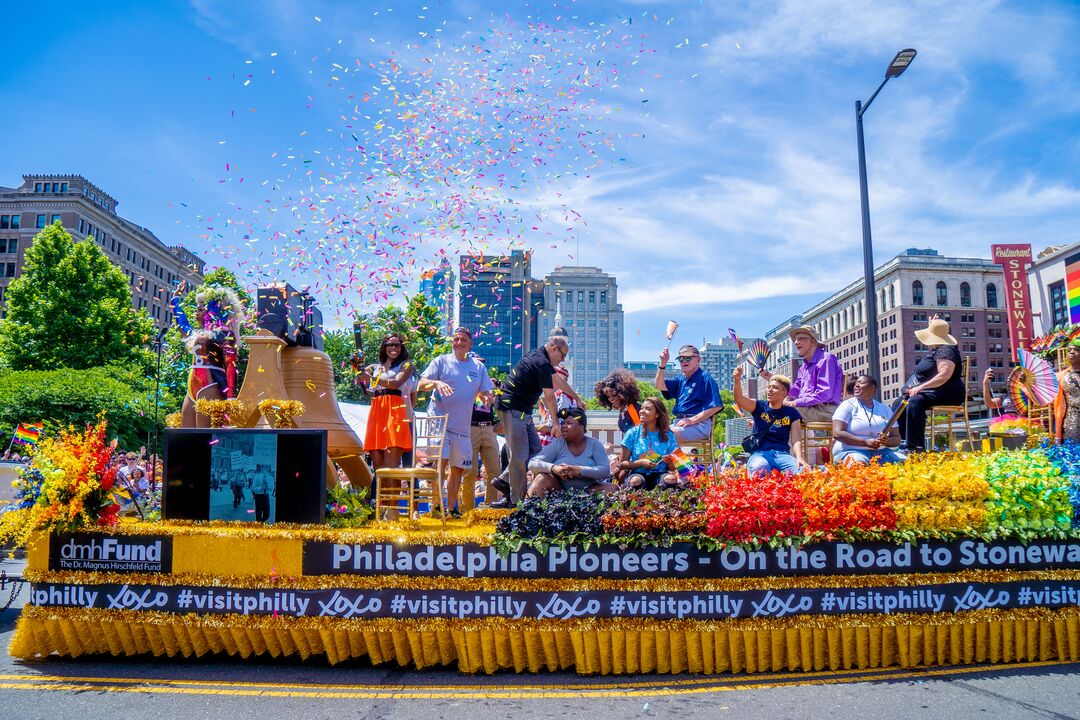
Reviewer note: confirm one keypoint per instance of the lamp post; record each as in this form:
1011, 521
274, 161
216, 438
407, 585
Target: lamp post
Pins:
898, 65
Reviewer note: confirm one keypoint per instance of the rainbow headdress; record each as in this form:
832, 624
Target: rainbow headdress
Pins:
28, 433
683, 464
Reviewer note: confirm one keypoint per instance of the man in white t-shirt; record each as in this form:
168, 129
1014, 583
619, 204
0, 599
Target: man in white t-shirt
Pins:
457, 378
859, 424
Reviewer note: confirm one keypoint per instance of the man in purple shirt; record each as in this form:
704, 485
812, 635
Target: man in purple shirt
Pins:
819, 385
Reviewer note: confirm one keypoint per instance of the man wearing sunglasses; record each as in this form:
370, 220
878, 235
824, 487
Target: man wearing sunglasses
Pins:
696, 395
531, 379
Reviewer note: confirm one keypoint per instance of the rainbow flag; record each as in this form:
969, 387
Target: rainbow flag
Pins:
683, 464
28, 433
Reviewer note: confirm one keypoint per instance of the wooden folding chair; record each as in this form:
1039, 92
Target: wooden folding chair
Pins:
416, 484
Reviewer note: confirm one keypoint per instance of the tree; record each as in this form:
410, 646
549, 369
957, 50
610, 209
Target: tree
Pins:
419, 324
71, 307
66, 397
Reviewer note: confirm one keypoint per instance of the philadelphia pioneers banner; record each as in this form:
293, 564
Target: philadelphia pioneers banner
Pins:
696, 605
686, 560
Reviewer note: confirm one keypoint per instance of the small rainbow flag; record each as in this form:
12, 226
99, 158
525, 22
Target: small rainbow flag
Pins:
28, 433
683, 464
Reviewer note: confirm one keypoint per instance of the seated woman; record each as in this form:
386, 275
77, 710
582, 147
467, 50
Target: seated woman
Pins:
646, 446
939, 380
573, 461
858, 426
775, 424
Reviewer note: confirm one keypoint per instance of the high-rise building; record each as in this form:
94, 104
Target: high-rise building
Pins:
911, 288
152, 267
719, 360
493, 302
437, 285
586, 299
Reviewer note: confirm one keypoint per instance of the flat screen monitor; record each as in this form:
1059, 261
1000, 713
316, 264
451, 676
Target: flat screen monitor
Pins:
245, 475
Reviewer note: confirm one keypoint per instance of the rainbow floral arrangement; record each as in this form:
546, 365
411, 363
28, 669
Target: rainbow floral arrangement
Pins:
1027, 493
68, 486
655, 515
841, 499
1022, 494
938, 492
746, 509
1066, 458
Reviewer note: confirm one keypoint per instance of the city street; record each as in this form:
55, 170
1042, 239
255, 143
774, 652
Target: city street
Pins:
260, 688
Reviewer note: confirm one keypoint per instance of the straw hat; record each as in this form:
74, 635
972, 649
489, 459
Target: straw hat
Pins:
936, 333
803, 329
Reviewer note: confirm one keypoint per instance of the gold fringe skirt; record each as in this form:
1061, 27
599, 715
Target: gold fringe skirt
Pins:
615, 646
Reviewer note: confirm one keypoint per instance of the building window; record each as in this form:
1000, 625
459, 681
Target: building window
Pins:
1059, 304
55, 219
892, 296
63, 187
40, 222
965, 295
603, 297
916, 293
942, 294
13, 245
991, 295
16, 222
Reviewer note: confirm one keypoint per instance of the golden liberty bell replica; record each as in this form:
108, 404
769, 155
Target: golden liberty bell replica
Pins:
285, 362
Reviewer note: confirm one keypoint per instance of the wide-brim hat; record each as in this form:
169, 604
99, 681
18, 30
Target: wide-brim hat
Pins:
803, 329
936, 333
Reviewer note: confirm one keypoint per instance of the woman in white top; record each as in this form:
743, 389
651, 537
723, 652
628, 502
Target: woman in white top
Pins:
858, 424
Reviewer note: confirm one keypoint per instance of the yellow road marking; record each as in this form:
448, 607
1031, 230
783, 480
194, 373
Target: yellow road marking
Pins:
659, 688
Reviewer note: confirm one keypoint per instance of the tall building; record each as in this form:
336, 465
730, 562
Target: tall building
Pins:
152, 267
911, 288
719, 360
437, 285
493, 302
587, 301
1049, 283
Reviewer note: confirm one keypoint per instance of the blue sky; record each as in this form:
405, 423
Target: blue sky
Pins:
708, 160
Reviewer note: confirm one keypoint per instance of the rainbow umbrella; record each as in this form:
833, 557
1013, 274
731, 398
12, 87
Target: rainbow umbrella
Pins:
1037, 376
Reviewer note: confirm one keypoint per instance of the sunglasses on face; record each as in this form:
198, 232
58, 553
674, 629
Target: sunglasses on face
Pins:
685, 358
390, 345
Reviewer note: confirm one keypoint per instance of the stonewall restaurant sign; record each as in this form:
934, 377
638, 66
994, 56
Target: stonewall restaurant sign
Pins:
1014, 260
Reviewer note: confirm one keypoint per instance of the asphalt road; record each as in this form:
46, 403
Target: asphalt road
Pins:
151, 689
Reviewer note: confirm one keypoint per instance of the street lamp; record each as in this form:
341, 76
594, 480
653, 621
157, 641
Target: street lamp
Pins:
898, 65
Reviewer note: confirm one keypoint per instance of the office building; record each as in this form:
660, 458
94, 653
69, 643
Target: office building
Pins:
493, 302
719, 360
437, 285
153, 268
586, 300
911, 288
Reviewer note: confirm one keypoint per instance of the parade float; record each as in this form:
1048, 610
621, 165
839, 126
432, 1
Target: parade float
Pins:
946, 559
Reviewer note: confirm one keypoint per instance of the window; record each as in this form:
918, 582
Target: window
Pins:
16, 222
892, 296
942, 294
37, 187
916, 293
63, 187
5, 222
581, 297
603, 297
40, 222
13, 245
55, 218
965, 295
1059, 303
991, 295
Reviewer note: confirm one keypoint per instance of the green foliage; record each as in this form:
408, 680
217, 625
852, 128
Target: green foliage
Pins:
346, 507
71, 307
75, 397
418, 323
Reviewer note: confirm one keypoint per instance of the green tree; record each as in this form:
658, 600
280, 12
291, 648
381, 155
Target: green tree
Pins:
71, 307
64, 397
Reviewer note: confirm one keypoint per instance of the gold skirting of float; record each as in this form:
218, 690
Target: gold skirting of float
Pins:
600, 646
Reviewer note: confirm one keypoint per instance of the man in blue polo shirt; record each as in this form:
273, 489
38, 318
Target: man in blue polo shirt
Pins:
696, 394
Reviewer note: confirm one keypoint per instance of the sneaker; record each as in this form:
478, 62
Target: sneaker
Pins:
454, 514
503, 504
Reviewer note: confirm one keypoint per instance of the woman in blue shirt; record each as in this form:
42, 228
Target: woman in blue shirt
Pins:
646, 447
778, 425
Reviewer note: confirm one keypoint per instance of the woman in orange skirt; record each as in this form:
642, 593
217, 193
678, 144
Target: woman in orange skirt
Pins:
388, 432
